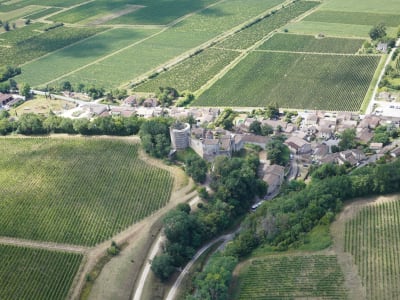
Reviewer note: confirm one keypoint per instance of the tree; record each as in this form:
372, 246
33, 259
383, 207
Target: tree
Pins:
347, 139
277, 152
14, 26
196, 167
30, 124
66, 86
255, 127
155, 138
266, 130
25, 91
272, 111
378, 31
6, 26
162, 266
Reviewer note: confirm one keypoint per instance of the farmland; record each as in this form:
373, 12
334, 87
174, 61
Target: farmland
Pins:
192, 73
28, 273
308, 43
372, 239
80, 54
76, 191
354, 18
250, 35
292, 277
30, 47
331, 82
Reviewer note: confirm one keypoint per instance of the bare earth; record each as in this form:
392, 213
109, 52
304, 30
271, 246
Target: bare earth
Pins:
114, 15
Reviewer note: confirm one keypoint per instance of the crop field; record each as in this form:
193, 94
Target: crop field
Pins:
309, 43
75, 191
18, 13
192, 73
354, 18
373, 240
250, 35
28, 273
7, 6
293, 277
70, 58
35, 46
307, 81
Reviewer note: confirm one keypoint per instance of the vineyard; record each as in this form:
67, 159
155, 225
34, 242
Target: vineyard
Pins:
361, 18
192, 73
373, 240
43, 13
303, 81
292, 277
250, 35
308, 43
75, 191
35, 46
28, 273
153, 52
82, 53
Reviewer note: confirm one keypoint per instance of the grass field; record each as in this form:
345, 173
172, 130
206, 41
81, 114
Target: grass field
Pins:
309, 43
75, 191
372, 238
68, 59
292, 277
18, 13
42, 13
358, 18
34, 46
331, 82
192, 73
28, 273
250, 35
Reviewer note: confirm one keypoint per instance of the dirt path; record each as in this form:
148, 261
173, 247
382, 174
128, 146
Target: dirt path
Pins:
43, 245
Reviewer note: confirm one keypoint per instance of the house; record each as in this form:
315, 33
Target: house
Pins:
311, 119
275, 124
325, 133
242, 139
245, 126
150, 102
298, 145
365, 135
320, 151
376, 146
5, 99
131, 100
370, 122
123, 111
273, 176
382, 47
395, 152
353, 156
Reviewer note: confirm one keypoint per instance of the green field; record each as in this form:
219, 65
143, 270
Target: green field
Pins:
372, 237
7, 6
309, 43
73, 57
28, 273
303, 81
192, 73
34, 46
250, 35
75, 191
292, 277
354, 18
18, 13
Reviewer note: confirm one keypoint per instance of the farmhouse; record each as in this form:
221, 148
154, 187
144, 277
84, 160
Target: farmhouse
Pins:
273, 176
5, 99
382, 47
298, 145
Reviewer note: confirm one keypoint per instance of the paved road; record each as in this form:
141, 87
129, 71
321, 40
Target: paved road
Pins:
370, 107
172, 293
